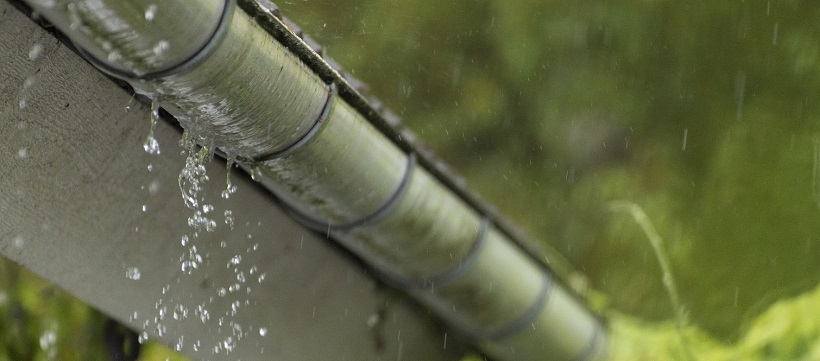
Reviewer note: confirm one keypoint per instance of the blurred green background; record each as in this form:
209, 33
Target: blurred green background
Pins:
705, 114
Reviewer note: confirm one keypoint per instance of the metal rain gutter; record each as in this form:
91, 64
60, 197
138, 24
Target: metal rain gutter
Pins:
232, 84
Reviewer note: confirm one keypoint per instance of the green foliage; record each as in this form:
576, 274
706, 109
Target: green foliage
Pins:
783, 332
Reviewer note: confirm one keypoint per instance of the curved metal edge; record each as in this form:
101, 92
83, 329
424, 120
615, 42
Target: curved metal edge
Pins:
467, 262
596, 342
327, 109
447, 276
527, 318
377, 215
198, 57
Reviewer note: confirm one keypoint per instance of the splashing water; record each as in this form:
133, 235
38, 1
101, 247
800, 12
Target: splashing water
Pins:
193, 176
195, 257
151, 145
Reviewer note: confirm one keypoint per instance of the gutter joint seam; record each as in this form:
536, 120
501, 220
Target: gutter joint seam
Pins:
198, 57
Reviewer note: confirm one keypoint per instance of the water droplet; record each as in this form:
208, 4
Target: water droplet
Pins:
263, 331
47, 341
143, 337
161, 47
230, 188
114, 56
35, 52
151, 12
229, 218
235, 260
130, 101
153, 188
373, 320
202, 313
22, 153
19, 242
132, 273
184, 240
150, 167
145, 208
151, 146
256, 174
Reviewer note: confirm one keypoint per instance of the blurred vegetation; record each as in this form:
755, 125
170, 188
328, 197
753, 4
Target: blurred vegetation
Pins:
40, 322
703, 113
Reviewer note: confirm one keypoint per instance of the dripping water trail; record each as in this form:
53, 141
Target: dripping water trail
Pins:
656, 241
151, 145
229, 187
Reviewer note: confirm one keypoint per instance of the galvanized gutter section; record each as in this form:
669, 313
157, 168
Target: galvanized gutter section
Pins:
245, 92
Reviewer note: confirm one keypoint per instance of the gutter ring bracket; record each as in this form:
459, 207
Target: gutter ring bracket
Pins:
327, 109
447, 276
526, 319
376, 216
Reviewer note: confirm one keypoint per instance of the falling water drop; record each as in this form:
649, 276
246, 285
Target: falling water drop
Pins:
19, 242
256, 174
132, 273
130, 101
143, 337
151, 145
263, 331
229, 218
36, 52
48, 342
26, 85
229, 188
373, 320
151, 12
